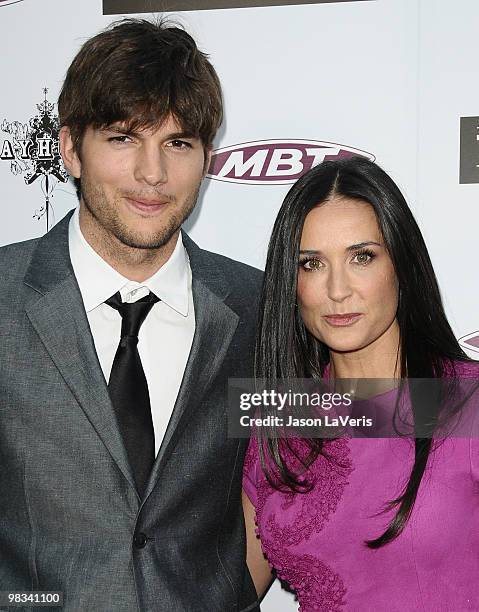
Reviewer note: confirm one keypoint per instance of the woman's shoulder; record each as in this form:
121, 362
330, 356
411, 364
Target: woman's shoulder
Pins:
251, 470
462, 369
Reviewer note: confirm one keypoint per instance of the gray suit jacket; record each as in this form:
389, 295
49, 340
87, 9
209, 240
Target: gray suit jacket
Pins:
70, 516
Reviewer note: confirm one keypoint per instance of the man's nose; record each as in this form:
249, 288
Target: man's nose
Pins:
151, 165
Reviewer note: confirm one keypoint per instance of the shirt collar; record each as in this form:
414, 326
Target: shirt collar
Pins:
98, 281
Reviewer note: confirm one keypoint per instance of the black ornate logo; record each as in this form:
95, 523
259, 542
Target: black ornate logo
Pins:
33, 150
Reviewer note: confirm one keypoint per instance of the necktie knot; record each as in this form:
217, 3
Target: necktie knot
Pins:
132, 314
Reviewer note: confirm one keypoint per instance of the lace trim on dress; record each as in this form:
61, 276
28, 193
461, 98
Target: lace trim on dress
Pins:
315, 583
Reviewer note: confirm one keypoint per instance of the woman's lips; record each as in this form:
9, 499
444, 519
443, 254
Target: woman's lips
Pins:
146, 206
343, 320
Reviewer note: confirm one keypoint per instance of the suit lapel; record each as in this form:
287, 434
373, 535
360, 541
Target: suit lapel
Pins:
56, 312
215, 325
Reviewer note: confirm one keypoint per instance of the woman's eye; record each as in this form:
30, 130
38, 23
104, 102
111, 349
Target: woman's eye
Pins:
363, 258
311, 264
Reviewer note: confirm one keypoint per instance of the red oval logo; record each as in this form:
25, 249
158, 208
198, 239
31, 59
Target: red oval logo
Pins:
278, 162
470, 342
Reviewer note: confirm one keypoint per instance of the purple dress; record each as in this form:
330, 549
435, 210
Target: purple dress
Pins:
315, 541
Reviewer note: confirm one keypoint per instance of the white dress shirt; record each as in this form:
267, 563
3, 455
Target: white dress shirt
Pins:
165, 338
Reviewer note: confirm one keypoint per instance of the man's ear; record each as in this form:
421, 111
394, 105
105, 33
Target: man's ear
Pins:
69, 154
208, 154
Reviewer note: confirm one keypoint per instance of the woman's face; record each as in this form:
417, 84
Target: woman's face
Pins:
347, 287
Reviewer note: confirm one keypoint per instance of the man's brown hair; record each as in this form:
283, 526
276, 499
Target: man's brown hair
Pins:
139, 72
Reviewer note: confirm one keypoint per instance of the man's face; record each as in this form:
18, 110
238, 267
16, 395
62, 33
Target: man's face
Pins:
137, 187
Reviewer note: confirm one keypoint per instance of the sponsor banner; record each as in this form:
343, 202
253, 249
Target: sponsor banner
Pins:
275, 162
121, 7
7, 2
469, 160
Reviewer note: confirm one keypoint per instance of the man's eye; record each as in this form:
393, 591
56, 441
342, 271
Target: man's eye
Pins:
119, 139
179, 144
311, 263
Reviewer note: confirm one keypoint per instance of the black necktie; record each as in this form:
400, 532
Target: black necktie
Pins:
129, 390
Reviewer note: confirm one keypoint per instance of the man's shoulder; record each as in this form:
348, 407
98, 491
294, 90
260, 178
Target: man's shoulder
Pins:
236, 274
236, 282
15, 258
240, 271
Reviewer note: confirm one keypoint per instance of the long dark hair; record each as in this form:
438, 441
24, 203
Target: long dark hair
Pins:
286, 349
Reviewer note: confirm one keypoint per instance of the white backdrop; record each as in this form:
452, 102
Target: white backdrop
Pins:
388, 77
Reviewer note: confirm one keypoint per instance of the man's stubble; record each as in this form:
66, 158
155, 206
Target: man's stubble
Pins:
113, 239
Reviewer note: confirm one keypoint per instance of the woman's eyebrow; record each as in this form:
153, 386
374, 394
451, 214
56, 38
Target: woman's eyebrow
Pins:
361, 245
353, 247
